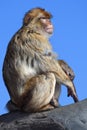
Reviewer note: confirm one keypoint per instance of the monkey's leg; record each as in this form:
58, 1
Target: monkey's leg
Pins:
40, 90
55, 99
47, 107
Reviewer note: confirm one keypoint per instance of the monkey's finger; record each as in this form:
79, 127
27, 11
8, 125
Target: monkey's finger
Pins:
69, 92
75, 98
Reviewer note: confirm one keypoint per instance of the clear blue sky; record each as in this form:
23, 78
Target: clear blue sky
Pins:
69, 39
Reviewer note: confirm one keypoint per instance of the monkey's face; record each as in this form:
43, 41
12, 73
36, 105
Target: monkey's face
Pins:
46, 25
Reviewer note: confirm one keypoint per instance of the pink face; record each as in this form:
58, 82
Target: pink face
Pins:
47, 25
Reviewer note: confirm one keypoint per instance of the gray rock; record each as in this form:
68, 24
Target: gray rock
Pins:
71, 117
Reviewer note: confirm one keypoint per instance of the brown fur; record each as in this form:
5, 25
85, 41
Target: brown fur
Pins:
29, 74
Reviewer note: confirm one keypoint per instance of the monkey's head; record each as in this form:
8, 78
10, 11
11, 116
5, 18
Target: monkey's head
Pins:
39, 20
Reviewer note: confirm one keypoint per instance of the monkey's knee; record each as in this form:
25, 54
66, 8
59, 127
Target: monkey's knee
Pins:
42, 92
51, 79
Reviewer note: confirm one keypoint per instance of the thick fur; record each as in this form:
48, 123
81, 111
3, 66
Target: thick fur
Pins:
28, 70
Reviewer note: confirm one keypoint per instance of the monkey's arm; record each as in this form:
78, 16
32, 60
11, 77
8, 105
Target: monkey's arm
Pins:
69, 72
51, 65
48, 64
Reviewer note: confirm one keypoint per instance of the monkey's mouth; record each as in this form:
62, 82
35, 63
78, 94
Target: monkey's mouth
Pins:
49, 29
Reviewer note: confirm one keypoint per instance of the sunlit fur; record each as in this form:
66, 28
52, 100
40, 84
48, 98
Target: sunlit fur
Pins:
29, 72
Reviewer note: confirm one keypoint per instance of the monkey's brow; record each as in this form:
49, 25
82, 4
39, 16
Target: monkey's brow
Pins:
44, 17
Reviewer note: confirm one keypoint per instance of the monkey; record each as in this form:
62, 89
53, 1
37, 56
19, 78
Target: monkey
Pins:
30, 70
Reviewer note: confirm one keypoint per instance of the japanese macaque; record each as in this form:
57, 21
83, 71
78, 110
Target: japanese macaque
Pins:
31, 71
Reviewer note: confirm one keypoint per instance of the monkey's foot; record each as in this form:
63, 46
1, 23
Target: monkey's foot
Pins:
47, 108
11, 106
54, 102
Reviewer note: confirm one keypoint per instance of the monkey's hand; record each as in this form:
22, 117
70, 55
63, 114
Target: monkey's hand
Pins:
73, 95
67, 69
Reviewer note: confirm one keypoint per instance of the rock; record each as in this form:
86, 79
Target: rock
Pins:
71, 117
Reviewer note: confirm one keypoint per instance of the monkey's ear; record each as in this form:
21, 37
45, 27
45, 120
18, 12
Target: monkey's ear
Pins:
27, 19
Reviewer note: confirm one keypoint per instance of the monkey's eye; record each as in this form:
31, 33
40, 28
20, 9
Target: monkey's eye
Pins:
42, 18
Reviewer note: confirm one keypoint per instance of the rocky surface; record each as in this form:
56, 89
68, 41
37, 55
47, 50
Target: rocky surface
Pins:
71, 117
